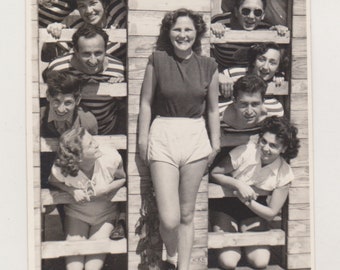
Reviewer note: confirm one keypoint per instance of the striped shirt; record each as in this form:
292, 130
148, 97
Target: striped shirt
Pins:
104, 108
116, 14
271, 105
231, 54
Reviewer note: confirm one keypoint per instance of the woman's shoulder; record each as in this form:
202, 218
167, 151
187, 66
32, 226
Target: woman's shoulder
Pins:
208, 61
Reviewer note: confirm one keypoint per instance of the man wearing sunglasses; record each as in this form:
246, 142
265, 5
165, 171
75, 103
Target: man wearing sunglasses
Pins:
247, 15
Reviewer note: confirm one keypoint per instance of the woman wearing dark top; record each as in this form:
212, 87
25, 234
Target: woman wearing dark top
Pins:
179, 87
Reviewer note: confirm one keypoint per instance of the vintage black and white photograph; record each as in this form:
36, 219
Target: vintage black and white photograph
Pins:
170, 135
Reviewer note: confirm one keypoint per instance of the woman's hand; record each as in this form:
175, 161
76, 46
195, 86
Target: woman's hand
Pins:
226, 85
80, 196
218, 29
245, 192
278, 80
280, 29
55, 29
116, 80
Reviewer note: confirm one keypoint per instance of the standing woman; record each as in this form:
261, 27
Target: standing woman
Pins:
179, 87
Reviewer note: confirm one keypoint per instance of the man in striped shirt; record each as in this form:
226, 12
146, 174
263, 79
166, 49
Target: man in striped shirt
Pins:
91, 64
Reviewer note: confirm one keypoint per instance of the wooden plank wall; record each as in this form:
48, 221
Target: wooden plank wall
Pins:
36, 135
298, 224
144, 18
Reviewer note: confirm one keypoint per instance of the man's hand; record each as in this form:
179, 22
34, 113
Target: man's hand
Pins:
55, 29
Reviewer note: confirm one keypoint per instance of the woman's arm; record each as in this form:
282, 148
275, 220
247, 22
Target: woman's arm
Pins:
114, 186
213, 116
219, 176
278, 198
147, 93
78, 194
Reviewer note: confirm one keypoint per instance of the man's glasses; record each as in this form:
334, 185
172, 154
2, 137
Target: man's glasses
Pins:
257, 12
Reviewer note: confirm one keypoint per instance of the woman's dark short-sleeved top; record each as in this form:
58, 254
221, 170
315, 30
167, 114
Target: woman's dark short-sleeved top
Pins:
181, 84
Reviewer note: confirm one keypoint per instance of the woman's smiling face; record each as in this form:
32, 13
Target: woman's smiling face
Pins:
248, 14
267, 64
183, 34
91, 11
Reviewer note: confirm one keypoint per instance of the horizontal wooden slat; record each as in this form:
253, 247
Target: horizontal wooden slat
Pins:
147, 23
299, 68
243, 36
269, 267
299, 261
281, 90
51, 197
115, 35
116, 141
298, 195
269, 238
166, 5
299, 27
299, 7
298, 245
56, 249
217, 191
96, 89
299, 211
298, 228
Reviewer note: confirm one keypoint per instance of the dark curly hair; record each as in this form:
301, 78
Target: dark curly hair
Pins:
88, 31
259, 49
250, 84
285, 132
163, 42
61, 82
238, 3
70, 151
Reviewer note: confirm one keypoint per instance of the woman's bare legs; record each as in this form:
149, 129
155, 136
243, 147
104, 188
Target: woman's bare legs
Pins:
190, 178
75, 230
165, 178
257, 256
100, 231
228, 258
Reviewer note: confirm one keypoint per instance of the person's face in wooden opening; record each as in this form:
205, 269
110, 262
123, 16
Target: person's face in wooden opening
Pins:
63, 105
250, 14
91, 11
271, 148
183, 35
91, 54
267, 64
249, 107
90, 147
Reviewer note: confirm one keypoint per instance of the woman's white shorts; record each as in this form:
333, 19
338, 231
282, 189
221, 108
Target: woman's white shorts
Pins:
178, 140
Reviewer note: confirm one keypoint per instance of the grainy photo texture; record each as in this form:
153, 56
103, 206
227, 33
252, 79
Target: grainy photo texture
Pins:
170, 135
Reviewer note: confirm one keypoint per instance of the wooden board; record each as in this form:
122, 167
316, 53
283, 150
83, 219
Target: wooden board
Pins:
56, 249
115, 35
115, 141
273, 237
166, 5
96, 89
243, 36
52, 197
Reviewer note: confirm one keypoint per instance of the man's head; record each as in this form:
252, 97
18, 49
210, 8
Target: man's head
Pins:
248, 95
63, 93
249, 13
90, 44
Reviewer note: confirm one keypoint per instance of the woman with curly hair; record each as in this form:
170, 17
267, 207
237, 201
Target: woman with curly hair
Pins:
258, 167
89, 174
179, 86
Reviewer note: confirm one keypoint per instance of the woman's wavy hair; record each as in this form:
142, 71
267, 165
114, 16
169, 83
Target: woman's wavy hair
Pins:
163, 41
70, 151
258, 49
285, 132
